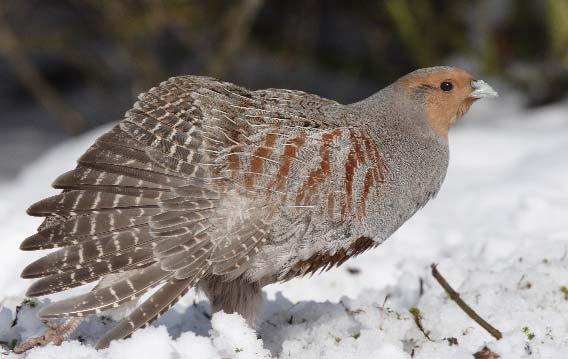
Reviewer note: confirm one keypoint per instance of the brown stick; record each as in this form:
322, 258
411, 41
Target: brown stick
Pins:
418, 321
466, 308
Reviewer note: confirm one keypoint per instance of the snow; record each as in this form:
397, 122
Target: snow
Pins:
498, 230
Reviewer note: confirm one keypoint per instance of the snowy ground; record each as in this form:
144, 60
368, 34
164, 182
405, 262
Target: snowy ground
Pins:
498, 229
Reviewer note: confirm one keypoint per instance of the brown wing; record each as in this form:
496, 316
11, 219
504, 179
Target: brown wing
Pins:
187, 185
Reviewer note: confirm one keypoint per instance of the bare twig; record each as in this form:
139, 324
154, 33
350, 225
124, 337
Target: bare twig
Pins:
387, 297
466, 308
71, 121
418, 321
15, 321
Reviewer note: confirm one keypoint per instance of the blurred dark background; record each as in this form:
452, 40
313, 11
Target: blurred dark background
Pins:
67, 66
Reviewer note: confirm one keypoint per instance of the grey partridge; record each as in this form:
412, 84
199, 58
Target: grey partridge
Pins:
207, 185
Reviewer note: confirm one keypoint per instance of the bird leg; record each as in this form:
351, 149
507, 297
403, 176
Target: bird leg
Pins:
235, 296
56, 333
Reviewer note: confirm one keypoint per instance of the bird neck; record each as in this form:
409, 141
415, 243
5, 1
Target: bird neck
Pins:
388, 112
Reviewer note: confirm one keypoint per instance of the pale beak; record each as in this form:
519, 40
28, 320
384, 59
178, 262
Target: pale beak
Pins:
481, 89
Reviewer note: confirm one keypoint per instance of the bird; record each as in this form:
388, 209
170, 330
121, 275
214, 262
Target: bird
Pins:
207, 185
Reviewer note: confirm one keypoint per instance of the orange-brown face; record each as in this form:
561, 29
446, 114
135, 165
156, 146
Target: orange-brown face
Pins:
448, 94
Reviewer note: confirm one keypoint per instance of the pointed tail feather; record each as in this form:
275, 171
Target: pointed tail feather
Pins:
151, 309
109, 297
84, 274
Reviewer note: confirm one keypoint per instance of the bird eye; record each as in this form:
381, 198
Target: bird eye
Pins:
446, 86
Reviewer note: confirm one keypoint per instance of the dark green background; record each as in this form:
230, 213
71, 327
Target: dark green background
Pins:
74, 64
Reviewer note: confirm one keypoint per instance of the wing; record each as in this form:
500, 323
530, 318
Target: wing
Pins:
188, 185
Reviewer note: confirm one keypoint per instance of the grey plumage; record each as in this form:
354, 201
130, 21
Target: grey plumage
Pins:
206, 184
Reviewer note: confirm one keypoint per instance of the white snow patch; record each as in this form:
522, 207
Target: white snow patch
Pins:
498, 230
234, 339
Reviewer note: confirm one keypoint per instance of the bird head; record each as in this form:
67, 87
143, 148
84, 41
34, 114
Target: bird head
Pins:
446, 92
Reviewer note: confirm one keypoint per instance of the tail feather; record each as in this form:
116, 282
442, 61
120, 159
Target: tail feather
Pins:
84, 274
109, 297
238, 248
181, 243
82, 177
79, 229
82, 254
151, 309
148, 198
141, 173
175, 219
187, 258
81, 201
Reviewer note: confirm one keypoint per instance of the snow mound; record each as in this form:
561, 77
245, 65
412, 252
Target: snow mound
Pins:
498, 230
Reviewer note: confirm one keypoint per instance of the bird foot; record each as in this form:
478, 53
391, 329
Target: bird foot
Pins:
56, 334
